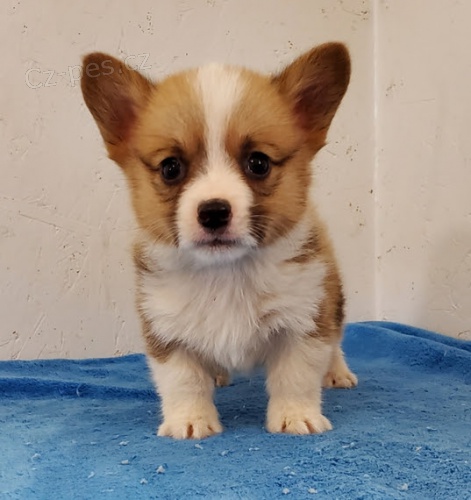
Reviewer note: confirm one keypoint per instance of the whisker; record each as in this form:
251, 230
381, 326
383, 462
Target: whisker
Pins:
168, 233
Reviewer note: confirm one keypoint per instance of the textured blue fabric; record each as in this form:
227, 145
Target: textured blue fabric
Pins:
85, 429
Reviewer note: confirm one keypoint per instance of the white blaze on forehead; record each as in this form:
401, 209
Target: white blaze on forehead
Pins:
220, 88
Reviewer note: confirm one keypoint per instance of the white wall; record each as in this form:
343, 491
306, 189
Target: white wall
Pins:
65, 223
423, 192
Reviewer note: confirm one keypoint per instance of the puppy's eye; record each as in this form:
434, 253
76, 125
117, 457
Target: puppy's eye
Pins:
257, 165
172, 170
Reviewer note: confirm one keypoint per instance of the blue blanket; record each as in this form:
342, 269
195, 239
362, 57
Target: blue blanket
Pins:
86, 429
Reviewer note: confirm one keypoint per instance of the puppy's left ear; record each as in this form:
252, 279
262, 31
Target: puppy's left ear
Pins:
314, 85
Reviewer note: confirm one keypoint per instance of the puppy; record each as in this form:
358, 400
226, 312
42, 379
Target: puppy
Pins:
234, 267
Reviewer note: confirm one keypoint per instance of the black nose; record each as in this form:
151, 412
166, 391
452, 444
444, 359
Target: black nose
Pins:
214, 214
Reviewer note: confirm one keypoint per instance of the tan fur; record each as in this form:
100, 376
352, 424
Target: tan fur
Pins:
330, 316
178, 130
141, 262
154, 346
314, 84
273, 130
116, 96
286, 117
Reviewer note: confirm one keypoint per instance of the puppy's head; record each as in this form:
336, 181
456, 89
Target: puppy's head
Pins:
217, 158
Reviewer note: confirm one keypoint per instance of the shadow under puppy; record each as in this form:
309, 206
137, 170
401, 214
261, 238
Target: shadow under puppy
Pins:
234, 267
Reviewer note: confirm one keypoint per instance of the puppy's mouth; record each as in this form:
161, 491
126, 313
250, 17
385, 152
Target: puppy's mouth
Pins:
220, 249
219, 244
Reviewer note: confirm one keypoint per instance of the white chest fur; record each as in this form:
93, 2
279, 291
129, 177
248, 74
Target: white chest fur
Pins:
230, 313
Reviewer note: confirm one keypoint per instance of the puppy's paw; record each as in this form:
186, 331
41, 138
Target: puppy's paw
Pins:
301, 420
340, 378
190, 427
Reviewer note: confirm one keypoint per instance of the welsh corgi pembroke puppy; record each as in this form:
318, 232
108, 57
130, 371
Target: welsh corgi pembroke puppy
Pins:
234, 268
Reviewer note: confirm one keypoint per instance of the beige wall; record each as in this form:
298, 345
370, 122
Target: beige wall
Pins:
65, 223
423, 168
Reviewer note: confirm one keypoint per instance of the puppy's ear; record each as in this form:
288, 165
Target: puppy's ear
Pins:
315, 84
115, 94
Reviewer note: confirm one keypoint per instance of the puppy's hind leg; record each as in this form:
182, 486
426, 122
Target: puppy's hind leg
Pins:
339, 374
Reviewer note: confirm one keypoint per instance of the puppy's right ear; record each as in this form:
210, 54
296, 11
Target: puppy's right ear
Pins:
115, 94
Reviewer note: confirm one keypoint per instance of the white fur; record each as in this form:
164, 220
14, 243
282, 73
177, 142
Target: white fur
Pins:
186, 391
215, 183
229, 313
259, 309
295, 370
219, 88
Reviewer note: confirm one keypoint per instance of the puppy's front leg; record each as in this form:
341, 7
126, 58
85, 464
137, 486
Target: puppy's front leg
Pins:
294, 382
186, 392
